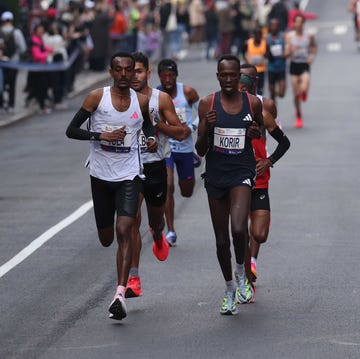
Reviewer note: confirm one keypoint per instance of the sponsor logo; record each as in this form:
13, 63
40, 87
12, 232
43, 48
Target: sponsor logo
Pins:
262, 196
247, 117
134, 116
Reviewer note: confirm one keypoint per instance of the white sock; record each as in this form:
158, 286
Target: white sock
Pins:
240, 269
230, 286
120, 290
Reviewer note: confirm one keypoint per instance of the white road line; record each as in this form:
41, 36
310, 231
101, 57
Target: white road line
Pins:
340, 30
333, 47
39, 241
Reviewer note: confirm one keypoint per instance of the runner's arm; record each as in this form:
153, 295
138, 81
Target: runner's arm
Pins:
207, 117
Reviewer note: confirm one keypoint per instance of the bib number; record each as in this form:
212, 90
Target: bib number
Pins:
230, 141
116, 146
276, 50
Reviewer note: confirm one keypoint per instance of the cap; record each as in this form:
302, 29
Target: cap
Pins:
7, 16
167, 64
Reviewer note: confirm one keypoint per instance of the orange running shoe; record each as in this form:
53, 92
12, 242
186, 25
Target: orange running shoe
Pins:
253, 269
133, 288
299, 123
160, 247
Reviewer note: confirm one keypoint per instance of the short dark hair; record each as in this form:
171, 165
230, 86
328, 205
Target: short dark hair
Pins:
167, 64
122, 54
228, 57
142, 58
248, 66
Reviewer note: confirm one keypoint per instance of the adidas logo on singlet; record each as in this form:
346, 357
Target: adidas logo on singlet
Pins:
247, 117
134, 116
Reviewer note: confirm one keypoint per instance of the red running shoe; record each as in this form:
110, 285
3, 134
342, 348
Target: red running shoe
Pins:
160, 247
133, 288
299, 123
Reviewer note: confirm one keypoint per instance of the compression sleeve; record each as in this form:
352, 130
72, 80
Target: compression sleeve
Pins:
147, 127
282, 147
75, 131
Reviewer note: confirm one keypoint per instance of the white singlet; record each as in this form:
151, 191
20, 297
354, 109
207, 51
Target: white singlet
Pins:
118, 160
162, 140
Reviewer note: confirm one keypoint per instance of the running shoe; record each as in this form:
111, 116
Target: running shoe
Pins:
160, 247
228, 306
133, 288
252, 299
171, 238
253, 269
244, 290
299, 123
117, 308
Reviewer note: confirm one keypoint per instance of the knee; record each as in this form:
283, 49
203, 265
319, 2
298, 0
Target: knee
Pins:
260, 236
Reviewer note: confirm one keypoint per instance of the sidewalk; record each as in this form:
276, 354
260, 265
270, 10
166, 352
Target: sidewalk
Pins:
84, 80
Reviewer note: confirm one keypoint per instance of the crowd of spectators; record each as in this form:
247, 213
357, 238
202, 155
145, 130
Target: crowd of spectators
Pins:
91, 30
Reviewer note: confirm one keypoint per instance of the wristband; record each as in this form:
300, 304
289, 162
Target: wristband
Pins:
152, 138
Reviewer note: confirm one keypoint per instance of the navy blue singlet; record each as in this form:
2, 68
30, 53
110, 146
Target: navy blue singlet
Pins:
230, 158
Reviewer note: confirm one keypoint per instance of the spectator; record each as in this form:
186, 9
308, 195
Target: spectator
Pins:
226, 26
14, 46
279, 11
211, 31
54, 40
99, 32
197, 21
38, 81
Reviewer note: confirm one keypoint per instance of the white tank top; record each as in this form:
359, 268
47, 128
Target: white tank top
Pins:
300, 47
162, 140
118, 160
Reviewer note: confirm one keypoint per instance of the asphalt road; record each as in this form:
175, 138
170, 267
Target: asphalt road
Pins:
54, 303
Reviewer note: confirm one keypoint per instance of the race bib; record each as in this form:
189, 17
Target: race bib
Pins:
142, 142
116, 146
230, 141
181, 112
276, 50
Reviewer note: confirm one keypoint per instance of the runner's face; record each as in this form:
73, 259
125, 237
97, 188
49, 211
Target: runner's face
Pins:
122, 71
140, 78
248, 80
298, 23
273, 27
228, 76
168, 80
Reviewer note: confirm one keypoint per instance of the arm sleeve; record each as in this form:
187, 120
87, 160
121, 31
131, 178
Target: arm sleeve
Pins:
147, 127
74, 130
282, 147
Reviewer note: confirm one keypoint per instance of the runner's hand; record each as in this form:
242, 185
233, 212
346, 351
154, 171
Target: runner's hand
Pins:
116, 135
210, 119
262, 165
151, 145
254, 130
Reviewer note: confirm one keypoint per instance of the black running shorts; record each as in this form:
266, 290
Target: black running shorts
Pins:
110, 197
298, 69
260, 199
155, 183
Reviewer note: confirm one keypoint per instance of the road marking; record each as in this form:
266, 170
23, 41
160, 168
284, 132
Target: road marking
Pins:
340, 30
39, 241
333, 47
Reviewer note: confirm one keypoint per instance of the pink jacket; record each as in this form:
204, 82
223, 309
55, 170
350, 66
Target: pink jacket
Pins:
39, 52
